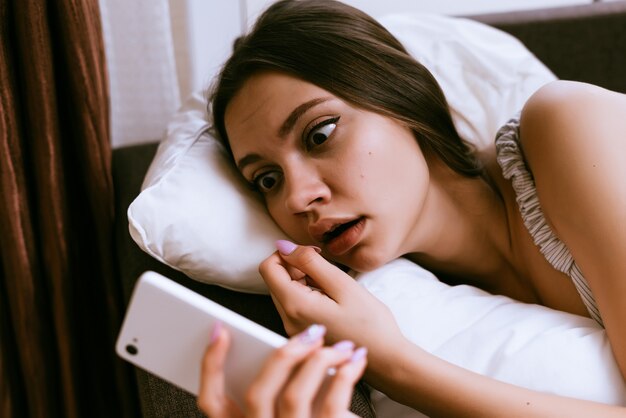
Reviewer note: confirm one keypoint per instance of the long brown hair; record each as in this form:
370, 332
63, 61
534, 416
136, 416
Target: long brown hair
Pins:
349, 54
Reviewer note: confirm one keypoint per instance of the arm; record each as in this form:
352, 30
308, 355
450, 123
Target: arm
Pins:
438, 388
574, 139
397, 367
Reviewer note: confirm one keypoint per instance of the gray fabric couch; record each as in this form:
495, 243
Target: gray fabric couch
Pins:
584, 43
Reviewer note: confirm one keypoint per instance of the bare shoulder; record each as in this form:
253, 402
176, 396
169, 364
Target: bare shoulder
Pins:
573, 114
565, 92
573, 136
574, 140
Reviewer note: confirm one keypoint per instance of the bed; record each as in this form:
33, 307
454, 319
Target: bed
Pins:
583, 43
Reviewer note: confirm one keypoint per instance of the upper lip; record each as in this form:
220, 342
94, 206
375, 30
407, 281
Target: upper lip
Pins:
319, 229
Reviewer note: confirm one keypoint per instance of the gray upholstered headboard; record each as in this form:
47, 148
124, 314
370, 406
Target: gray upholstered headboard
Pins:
582, 43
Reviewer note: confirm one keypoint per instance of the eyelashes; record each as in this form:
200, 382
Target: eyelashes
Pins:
266, 182
320, 133
316, 136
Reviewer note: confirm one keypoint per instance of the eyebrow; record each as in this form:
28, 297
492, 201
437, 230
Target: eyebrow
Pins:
293, 117
285, 128
247, 160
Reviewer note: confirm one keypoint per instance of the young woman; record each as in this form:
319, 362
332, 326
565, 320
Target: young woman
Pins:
350, 142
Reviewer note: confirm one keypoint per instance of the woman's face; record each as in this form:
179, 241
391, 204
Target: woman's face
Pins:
348, 180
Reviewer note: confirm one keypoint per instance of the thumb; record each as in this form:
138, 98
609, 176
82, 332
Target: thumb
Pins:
331, 279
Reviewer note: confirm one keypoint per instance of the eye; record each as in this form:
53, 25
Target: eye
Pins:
266, 181
320, 132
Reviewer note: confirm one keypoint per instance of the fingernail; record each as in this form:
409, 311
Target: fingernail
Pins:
344, 346
285, 247
317, 249
215, 332
359, 354
312, 333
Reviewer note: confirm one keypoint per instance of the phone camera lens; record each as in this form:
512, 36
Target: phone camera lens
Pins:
131, 349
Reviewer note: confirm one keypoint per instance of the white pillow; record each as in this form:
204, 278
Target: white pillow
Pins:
527, 345
485, 73
195, 214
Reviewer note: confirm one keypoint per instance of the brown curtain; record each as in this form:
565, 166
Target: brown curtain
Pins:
59, 302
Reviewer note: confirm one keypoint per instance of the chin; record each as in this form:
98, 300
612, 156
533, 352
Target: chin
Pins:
363, 263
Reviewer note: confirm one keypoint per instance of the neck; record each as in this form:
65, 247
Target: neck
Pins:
464, 231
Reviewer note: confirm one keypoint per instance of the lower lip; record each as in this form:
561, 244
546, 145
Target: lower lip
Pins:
348, 239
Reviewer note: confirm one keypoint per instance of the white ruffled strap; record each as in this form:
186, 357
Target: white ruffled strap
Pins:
511, 160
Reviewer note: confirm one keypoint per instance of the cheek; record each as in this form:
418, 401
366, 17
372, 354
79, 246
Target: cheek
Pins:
393, 166
290, 225
279, 216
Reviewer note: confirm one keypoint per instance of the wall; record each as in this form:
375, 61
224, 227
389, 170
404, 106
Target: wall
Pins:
203, 32
452, 7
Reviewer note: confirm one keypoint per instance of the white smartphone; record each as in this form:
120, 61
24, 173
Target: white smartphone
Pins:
167, 328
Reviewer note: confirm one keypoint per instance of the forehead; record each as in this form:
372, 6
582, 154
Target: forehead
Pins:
265, 100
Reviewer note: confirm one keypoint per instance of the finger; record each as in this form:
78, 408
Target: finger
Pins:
287, 323
332, 280
279, 306
212, 399
299, 393
291, 295
338, 394
262, 394
299, 276
295, 274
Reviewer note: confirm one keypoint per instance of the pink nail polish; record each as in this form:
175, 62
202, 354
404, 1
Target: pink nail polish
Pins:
285, 247
312, 333
215, 332
359, 354
344, 346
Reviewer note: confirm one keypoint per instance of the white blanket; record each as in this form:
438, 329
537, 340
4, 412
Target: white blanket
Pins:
524, 344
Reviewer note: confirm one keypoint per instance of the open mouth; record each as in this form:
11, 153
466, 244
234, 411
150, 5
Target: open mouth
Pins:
337, 230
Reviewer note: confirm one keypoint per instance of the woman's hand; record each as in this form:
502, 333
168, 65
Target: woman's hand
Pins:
307, 289
301, 379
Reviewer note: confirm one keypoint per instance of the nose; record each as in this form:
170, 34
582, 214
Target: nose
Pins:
305, 188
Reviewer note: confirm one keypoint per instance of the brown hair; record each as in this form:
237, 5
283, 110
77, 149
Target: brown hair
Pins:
349, 54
